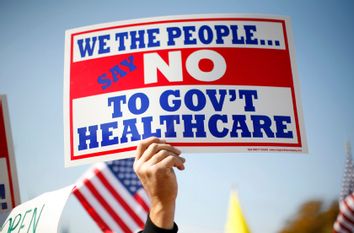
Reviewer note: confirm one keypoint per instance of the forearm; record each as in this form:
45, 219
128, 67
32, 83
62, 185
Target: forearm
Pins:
154, 164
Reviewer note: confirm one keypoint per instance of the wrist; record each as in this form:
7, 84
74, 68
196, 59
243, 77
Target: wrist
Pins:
162, 214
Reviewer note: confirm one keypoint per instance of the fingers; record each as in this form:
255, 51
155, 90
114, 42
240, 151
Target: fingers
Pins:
173, 161
143, 145
162, 155
150, 146
154, 150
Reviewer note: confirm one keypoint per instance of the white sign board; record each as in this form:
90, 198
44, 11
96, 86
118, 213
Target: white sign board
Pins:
206, 83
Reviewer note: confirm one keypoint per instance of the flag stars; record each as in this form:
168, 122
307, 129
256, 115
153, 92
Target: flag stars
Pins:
134, 182
133, 189
123, 170
127, 182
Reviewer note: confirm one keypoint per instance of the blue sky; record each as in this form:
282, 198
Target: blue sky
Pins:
270, 187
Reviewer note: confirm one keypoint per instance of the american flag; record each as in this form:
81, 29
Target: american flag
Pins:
345, 219
113, 196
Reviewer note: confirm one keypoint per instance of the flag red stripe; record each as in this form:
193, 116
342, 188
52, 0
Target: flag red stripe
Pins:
91, 211
104, 203
347, 206
121, 201
347, 219
141, 201
343, 227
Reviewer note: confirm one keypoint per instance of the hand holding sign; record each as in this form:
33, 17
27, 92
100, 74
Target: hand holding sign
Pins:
154, 166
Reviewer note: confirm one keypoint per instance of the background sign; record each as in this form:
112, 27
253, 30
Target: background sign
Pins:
9, 191
39, 215
206, 83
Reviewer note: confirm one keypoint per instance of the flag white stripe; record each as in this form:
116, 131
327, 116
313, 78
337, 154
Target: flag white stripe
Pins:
110, 198
345, 222
119, 188
350, 202
88, 175
347, 215
144, 196
336, 226
99, 209
114, 204
339, 229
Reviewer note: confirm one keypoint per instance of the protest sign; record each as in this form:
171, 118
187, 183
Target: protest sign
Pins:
40, 215
206, 83
9, 191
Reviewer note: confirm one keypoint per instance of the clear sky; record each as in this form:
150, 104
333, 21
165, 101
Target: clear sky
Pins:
270, 187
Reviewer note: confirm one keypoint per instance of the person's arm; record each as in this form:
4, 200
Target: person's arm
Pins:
154, 163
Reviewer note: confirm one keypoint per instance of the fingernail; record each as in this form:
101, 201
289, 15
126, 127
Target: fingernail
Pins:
181, 167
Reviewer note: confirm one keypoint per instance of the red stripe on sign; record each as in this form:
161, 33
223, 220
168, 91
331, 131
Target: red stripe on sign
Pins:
118, 197
245, 66
78, 157
224, 144
71, 132
3, 141
4, 151
91, 211
285, 33
192, 144
296, 117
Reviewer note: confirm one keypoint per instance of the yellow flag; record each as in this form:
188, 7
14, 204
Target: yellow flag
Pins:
236, 222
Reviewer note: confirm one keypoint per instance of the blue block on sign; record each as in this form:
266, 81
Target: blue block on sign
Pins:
2, 196
4, 206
